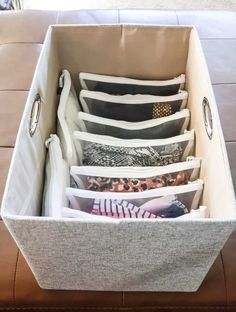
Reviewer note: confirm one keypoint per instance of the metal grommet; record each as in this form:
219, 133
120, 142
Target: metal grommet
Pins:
207, 117
34, 116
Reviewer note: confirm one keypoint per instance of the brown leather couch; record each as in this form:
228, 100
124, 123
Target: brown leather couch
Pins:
21, 37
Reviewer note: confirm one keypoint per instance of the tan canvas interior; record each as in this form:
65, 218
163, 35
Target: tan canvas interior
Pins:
131, 51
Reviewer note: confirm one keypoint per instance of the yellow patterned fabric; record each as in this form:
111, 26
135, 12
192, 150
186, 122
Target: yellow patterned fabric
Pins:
161, 110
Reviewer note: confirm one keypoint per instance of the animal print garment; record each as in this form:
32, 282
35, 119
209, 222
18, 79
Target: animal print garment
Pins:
95, 154
103, 184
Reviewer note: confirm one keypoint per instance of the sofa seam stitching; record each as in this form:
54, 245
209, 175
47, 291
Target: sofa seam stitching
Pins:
14, 90
15, 273
21, 42
123, 298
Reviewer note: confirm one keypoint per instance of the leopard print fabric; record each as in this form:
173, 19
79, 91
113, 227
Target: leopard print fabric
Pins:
102, 184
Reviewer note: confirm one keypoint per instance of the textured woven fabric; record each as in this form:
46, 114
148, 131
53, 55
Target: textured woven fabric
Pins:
91, 255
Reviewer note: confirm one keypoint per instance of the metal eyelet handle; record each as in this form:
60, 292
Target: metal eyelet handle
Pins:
34, 116
207, 117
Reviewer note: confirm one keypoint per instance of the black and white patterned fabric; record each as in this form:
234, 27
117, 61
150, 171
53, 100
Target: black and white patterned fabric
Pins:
105, 155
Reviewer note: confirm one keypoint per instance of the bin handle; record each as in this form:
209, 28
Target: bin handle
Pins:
207, 115
34, 115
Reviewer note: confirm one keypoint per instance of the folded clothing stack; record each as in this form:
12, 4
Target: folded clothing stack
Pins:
128, 152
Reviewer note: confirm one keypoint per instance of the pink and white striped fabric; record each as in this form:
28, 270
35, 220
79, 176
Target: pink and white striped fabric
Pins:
119, 209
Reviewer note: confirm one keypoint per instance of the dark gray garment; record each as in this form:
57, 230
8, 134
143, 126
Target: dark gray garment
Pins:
161, 131
127, 112
124, 88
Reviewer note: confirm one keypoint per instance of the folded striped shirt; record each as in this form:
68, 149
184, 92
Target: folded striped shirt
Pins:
119, 209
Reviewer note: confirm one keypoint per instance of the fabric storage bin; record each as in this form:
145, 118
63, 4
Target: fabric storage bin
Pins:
128, 255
